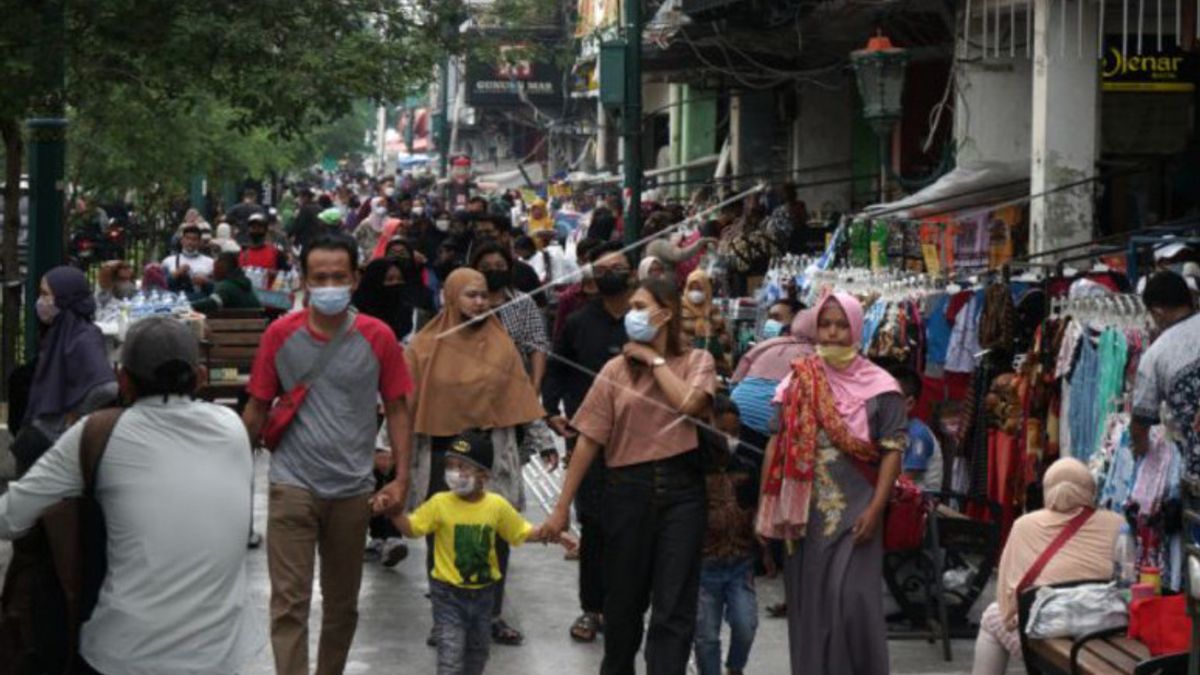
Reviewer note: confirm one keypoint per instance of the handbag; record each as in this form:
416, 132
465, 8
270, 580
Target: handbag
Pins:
1161, 623
280, 417
907, 514
1076, 610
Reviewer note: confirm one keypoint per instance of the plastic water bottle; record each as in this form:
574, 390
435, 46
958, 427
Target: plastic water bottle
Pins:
1125, 558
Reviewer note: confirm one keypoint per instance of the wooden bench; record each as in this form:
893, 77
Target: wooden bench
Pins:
1106, 652
232, 338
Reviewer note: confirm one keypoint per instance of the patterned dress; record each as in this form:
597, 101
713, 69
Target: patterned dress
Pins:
834, 587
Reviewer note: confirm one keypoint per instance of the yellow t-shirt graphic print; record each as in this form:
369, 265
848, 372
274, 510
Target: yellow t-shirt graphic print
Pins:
464, 536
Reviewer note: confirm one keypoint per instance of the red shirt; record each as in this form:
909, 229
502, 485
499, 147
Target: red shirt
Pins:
265, 256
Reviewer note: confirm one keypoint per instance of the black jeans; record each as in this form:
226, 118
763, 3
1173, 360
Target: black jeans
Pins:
654, 520
437, 483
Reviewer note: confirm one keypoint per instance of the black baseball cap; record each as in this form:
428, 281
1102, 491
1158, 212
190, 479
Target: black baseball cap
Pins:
473, 446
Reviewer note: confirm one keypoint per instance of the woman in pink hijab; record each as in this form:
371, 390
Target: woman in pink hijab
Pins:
826, 482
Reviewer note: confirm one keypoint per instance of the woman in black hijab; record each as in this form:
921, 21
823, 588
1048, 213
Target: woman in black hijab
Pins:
73, 376
392, 288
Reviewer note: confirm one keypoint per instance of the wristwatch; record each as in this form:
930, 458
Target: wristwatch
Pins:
658, 361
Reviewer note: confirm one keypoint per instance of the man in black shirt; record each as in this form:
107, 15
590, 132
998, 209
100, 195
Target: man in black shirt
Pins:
306, 226
498, 227
592, 335
239, 215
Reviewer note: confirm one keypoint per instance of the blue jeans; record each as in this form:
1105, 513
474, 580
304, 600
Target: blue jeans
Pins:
463, 620
726, 592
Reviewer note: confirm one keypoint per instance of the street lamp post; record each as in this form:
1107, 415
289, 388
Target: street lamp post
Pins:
879, 69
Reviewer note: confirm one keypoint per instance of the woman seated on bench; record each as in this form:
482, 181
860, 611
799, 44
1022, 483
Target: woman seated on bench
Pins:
1068, 488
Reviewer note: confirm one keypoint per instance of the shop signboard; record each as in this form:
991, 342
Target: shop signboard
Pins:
1169, 69
500, 84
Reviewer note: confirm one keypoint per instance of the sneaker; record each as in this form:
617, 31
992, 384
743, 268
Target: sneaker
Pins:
393, 552
254, 540
374, 550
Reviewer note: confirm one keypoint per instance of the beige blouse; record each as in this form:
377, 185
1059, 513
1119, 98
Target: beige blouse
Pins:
627, 412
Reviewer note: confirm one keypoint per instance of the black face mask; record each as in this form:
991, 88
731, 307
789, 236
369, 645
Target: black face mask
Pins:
497, 279
257, 238
610, 284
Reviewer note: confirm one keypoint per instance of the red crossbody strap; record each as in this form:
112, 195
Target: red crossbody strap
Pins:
1061, 540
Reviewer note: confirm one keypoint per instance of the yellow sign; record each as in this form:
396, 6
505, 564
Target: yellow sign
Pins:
1153, 70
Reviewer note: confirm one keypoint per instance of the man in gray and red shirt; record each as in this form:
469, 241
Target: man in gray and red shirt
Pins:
321, 471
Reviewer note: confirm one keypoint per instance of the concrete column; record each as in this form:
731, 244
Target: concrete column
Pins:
675, 140
735, 135
823, 147
698, 130
1065, 124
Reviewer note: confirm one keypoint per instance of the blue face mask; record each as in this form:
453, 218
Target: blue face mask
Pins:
771, 329
638, 327
329, 300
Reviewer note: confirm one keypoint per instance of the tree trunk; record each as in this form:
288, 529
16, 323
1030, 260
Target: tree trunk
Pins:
10, 323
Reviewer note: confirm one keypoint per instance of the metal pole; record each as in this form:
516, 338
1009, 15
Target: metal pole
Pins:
47, 162
631, 119
443, 138
883, 158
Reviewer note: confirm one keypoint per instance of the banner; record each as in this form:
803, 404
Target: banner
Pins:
500, 85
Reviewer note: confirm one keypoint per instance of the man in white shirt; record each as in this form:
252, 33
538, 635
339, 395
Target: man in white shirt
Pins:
189, 269
174, 487
550, 261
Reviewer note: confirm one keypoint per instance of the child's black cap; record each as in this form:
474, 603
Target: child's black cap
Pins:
474, 446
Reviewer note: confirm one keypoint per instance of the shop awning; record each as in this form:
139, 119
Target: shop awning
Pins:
962, 188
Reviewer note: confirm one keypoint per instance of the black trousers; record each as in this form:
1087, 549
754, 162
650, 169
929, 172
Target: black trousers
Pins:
591, 564
437, 483
654, 521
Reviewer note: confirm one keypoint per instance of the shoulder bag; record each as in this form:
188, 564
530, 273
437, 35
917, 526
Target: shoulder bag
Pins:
288, 405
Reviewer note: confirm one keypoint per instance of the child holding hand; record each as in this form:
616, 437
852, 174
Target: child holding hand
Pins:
464, 523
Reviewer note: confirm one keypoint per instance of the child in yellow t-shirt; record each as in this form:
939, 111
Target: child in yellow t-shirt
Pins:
464, 523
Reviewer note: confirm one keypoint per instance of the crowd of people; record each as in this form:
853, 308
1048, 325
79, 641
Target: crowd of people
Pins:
434, 353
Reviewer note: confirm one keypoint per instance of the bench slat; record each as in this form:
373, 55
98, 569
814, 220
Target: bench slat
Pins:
233, 353
1057, 652
247, 338
1118, 658
1135, 648
237, 325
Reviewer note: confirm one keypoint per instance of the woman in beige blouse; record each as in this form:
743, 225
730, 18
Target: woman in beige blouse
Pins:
641, 414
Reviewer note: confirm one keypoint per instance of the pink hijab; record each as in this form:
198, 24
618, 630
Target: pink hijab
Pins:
772, 359
862, 380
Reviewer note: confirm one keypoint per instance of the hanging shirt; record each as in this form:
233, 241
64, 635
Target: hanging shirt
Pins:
937, 334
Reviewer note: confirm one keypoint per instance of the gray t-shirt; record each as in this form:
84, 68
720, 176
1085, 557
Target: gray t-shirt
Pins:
329, 447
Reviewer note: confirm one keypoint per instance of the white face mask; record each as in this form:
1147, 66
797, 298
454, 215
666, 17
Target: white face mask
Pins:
442, 225
696, 297
460, 483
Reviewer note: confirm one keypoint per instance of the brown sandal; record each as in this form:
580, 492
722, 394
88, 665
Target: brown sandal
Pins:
585, 628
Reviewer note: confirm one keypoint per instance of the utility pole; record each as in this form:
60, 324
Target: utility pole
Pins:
631, 119
47, 161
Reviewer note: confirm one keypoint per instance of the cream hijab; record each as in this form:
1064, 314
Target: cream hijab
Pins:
1068, 487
